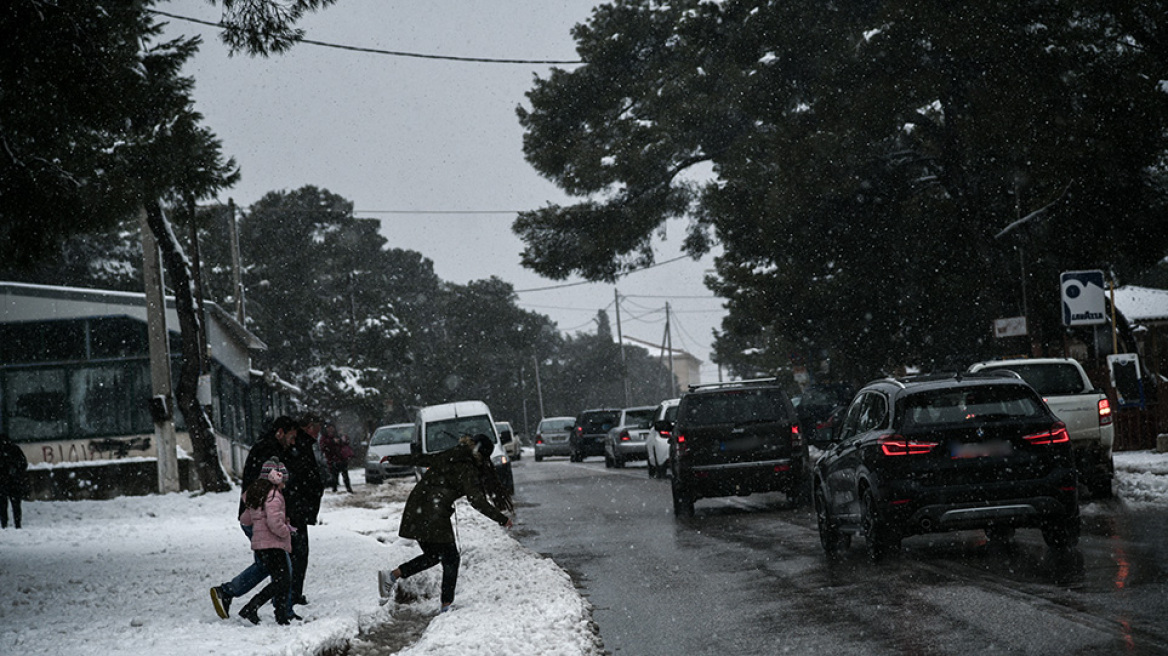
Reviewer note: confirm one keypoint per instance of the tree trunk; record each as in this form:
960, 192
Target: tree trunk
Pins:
178, 269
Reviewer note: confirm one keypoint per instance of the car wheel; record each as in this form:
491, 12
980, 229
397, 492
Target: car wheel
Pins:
538, 458
372, 481
880, 539
830, 536
652, 470
608, 461
618, 462
683, 502
1062, 534
574, 456
663, 470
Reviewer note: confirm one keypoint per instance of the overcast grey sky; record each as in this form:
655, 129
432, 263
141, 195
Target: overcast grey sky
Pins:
403, 138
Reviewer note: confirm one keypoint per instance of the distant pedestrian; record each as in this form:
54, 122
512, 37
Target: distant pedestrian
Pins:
13, 480
337, 452
462, 471
271, 540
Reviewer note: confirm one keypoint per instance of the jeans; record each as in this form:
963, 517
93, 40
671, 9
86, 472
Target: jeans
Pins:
340, 469
432, 554
276, 562
254, 574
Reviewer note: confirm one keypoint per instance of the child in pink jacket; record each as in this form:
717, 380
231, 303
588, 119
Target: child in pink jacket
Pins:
271, 539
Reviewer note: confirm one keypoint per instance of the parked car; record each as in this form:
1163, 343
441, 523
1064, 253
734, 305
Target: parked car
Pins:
657, 444
944, 452
1085, 409
735, 439
626, 440
391, 440
509, 439
438, 427
551, 437
589, 432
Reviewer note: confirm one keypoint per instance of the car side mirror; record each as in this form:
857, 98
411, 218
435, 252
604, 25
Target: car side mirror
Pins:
505, 437
415, 448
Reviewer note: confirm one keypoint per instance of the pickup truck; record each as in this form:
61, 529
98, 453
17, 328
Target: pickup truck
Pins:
1085, 409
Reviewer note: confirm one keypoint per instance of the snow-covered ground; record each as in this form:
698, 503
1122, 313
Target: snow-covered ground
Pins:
131, 576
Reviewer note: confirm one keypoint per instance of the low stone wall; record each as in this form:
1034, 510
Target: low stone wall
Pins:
104, 480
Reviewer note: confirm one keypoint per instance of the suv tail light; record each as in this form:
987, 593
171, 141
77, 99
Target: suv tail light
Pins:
624, 436
681, 446
899, 445
1056, 435
1104, 412
539, 438
796, 436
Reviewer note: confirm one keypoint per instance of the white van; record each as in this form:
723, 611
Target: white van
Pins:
438, 427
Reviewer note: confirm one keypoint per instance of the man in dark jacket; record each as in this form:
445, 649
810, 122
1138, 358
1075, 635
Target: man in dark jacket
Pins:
302, 493
13, 468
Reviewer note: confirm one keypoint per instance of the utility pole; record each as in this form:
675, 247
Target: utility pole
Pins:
538, 387
620, 339
236, 271
669, 343
161, 404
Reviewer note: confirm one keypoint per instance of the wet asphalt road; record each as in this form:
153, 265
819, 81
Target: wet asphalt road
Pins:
748, 576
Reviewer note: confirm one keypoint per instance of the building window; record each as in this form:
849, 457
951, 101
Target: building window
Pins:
37, 404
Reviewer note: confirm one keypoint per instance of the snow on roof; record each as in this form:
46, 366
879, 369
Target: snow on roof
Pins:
1142, 304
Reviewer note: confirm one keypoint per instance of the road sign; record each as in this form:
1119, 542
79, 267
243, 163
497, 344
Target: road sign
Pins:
1084, 298
1010, 327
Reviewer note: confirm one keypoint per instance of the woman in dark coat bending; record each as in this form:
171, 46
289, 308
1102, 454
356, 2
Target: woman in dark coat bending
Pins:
463, 471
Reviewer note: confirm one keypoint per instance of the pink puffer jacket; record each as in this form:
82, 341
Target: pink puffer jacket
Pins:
270, 529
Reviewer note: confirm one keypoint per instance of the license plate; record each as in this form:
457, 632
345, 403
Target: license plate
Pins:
982, 449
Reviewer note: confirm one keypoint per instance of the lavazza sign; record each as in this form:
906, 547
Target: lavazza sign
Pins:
1084, 298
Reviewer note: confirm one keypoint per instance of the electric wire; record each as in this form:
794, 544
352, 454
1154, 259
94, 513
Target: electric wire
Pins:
379, 51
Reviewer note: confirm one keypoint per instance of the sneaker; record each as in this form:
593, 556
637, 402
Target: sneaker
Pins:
250, 614
300, 601
222, 602
385, 583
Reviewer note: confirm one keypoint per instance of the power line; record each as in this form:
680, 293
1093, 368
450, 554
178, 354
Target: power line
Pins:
589, 282
378, 51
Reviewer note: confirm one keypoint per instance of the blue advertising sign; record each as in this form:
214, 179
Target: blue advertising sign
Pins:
1084, 298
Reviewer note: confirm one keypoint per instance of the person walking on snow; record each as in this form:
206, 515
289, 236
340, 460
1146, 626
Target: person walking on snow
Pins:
462, 471
337, 453
271, 540
13, 480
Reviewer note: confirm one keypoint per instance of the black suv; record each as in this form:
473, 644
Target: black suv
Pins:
944, 452
587, 438
735, 439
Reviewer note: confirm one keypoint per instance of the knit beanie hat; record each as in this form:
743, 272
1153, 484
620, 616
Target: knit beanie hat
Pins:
274, 471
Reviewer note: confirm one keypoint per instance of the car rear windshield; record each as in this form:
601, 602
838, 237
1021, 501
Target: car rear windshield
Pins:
640, 418
1049, 379
732, 407
442, 435
556, 425
598, 422
962, 405
392, 435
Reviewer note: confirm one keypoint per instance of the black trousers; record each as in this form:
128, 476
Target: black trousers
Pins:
276, 591
432, 554
5, 499
299, 560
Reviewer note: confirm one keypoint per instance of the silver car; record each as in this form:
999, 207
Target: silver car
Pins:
392, 440
626, 440
551, 437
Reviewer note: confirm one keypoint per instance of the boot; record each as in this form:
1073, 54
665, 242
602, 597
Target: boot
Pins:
250, 613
